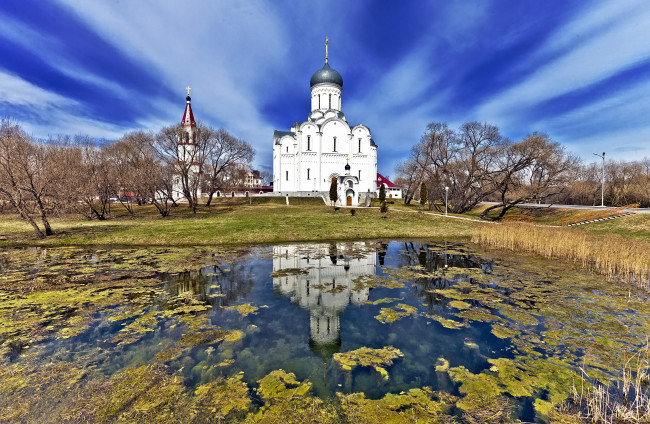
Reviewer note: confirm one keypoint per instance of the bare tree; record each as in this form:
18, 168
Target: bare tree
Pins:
25, 180
407, 178
460, 161
186, 156
145, 177
226, 156
532, 169
96, 183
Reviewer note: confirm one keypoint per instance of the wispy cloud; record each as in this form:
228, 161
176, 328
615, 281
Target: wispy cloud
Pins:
221, 49
15, 91
611, 45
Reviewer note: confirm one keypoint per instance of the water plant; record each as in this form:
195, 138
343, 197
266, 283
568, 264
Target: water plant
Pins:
368, 357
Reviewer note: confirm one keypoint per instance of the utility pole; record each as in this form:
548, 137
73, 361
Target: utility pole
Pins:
446, 197
602, 180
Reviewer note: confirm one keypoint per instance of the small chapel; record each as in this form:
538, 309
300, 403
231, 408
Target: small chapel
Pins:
325, 147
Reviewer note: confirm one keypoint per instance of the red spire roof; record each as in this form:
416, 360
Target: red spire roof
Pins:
188, 117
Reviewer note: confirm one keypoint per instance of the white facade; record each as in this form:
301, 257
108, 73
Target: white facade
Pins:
312, 153
187, 154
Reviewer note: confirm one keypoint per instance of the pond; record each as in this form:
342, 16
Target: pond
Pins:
428, 328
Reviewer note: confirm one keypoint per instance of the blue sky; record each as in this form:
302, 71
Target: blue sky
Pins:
577, 70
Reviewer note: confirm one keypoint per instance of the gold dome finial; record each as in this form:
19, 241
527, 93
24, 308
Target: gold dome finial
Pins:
327, 40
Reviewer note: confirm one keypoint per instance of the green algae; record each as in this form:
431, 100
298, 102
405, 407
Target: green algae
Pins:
287, 272
209, 337
445, 322
503, 332
368, 357
416, 405
388, 315
442, 365
223, 397
374, 281
244, 309
380, 301
459, 304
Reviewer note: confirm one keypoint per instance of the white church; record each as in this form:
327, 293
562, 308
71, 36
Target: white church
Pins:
324, 147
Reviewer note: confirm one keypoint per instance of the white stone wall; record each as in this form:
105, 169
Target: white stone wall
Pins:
318, 149
325, 96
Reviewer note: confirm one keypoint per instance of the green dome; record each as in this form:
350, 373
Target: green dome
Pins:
326, 75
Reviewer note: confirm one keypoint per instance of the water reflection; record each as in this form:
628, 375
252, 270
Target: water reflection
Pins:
215, 285
320, 279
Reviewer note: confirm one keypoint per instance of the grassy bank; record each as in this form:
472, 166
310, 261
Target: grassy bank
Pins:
614, 256
234, 221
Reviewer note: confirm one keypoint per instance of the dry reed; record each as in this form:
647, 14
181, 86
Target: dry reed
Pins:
614, 256
627, 400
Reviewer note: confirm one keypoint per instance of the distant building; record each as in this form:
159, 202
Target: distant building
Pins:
324, 147
393, 191
253, 179
251, 183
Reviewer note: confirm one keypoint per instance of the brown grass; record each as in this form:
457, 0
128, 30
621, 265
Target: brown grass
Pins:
593, 215
614, 256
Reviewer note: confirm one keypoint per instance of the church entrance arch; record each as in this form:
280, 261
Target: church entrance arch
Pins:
349, 194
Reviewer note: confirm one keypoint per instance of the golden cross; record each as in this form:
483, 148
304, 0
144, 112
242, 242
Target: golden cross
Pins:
327, 40
188, 90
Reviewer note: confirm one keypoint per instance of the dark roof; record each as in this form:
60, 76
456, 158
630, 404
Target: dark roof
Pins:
277, 135
326, 75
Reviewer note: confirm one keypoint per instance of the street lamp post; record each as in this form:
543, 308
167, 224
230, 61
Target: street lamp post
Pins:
446, 197
602, 180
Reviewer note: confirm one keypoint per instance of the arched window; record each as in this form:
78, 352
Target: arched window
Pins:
308, 173
287, 175
334, 144
308, 142
359, 144
319, 101
330, 101
359, 175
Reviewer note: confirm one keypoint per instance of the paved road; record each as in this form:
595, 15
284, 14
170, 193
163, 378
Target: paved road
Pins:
593, 208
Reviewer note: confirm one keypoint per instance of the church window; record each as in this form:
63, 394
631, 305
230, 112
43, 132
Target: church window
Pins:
334, 144
308, 142
308, 173
330, 101
359, 175
287, 175
287, 149
359, 144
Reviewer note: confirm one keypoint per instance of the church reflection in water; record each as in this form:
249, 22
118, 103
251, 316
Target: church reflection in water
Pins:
320, 278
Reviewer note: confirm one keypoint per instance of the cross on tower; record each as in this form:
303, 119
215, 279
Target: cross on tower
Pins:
188, 90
